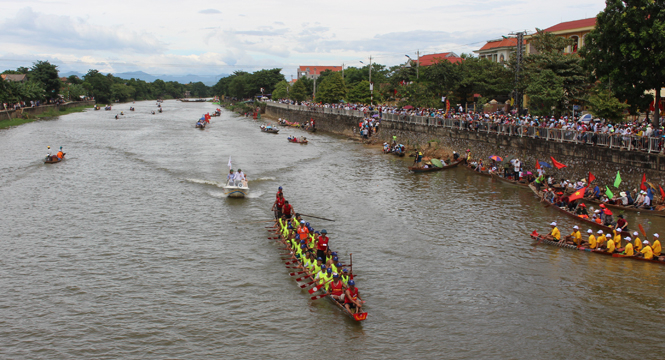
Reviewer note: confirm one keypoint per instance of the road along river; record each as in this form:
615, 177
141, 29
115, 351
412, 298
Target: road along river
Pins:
128, 249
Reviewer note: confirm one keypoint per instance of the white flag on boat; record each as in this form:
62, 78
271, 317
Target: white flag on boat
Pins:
230, 166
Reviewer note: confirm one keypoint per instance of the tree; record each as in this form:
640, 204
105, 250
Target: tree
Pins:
360, 93
626, 49
98, 86
122, 92
546, 91
280, 91
332, 89
199, 89
603, 105
47, 74
298, 91
73, 79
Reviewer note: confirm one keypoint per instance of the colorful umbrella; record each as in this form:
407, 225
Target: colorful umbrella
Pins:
496, 158
408, 107
544, 164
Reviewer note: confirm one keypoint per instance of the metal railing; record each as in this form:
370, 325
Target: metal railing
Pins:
612, 141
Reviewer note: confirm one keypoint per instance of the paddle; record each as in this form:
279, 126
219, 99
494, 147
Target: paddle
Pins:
316, 217
351, 266
303, 278
296, 273
317, 297
642, 231
318, 287
308, 284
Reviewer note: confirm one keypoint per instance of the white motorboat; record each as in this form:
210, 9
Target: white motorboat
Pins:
236, 189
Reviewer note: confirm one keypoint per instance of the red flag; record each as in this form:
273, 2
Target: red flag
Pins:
591, 177
577, 194
644, 179
662, 193
534, 233
557, 164
537, 165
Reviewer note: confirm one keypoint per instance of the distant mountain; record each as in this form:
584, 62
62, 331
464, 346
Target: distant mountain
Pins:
209, 80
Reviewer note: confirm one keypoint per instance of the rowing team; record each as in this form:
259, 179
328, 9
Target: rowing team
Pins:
611, 242
324, 267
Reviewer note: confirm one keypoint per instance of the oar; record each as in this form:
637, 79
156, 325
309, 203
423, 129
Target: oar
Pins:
540, 238
306, 285
642, 231
318, 287
351, 261
302, 278
296, 273
316, 217
317, 297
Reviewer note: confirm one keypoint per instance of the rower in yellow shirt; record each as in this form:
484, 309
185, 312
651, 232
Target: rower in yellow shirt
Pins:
610, 246
628, 250
592, 240
638, 243
555, 234
576, 236
656, 246
646, 251
617, 237
601, 239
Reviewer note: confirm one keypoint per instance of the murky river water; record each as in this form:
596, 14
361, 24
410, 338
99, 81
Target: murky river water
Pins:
128, 249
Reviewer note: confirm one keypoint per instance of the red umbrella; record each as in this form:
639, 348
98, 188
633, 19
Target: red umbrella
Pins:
408, 107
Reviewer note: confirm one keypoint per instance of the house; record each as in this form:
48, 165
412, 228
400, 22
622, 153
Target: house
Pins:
313, 72
427, 60
576, 30
498, 50
15, 77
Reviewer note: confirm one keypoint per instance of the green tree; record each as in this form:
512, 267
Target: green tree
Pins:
73, 79
47, 74
626, 49
199, 89
281, 90
122, 92
360, 93
603, 105
332, 89
546, 91
298, 91
98, 86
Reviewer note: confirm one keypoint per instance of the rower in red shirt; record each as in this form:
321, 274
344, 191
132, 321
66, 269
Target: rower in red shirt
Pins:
287, 210
337, 288
279, 191
278, 206
322, 245
352, 299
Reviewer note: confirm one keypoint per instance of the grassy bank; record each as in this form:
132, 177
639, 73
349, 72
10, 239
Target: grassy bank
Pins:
50, 113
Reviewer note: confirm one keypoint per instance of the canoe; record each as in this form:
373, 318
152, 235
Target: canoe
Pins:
298, 141
270, 130
501, 178
627, 208
588, 221
357, 317
418, 170
599, 252
55, 161
477, 172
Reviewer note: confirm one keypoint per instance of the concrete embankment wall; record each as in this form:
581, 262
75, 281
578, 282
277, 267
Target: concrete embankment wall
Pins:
580, 159
32, 112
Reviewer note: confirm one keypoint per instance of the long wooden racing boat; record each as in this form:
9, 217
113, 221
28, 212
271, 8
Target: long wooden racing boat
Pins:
542, 239
357, 317
501, 178
298, 141
588, 221
433, 168
54, 159
627, 208
477, 172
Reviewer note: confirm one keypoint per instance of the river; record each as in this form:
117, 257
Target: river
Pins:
129, 249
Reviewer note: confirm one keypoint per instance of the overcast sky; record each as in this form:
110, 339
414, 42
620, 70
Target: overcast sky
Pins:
215, 37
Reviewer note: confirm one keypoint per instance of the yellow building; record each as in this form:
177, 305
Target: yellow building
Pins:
576, 30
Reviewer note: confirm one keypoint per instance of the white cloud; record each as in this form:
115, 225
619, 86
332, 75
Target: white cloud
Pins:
67, 33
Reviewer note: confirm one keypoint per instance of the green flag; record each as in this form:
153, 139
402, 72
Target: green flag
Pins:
608, 193
617, 181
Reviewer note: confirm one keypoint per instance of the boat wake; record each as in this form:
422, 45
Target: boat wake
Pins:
269, 178
221, 195
205, 182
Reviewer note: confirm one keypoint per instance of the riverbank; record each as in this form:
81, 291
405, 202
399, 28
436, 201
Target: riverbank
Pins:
26, 115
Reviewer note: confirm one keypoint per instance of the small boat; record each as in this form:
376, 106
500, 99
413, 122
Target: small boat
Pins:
588, 221
271, 130
131, 109
53, 159
298, 141
201, 125
236, 190
433, 168
542, 239
519, 183
628, 208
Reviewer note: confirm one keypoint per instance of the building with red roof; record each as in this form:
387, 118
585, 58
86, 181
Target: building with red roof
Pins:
427, 60
498, 50
576, 30
313, 71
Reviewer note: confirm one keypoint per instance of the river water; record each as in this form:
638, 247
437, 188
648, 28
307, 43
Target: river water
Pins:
129, 249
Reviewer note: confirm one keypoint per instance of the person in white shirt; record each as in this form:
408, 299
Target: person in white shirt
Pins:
240, 178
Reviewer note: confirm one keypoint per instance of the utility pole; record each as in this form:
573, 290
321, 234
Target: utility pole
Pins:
371, 87
518, 60
314, 92
418, 64
342, 71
